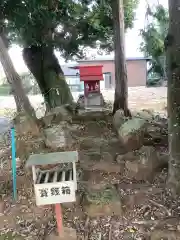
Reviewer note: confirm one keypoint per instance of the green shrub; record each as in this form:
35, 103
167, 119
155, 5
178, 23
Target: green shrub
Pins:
153, 82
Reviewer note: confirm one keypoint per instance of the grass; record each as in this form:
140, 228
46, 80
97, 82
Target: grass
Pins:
10, 236
102, 196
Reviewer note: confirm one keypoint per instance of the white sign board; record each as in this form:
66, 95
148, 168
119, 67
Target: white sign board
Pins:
53, 193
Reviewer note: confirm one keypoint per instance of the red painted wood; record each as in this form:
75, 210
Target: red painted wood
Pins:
90, 73
91, 87
59, 217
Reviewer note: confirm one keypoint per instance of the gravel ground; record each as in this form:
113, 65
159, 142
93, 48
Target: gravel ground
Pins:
139, 97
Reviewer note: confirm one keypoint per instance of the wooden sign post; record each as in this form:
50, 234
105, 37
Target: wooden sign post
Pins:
54, 177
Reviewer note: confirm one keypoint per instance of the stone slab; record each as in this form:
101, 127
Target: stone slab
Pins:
104, 201
94, 99
52, 158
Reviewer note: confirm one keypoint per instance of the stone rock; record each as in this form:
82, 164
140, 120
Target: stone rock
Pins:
107, 157
164, 158
93, 156
144, 165
47, 119
27, 126
131, 133
144, 114
57, 136
94, 128
56, 115
102, 202
98, 179
96, 148
154, 131
118, 119
2, 208
107, 167
115, 147
67, 234
122, 158
92, 143
85, 116
74, 127
119, 158
158, 132
62, 113
95, 160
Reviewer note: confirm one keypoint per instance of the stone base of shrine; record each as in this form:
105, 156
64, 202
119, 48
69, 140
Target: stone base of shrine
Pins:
94, 102
94, 109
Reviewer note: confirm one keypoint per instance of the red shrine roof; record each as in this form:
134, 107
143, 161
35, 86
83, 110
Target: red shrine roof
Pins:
90, 73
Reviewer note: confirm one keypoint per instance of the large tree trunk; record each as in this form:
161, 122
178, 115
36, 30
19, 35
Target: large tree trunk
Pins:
44, 65
172, 46
17, 100
121, 92
14, 80
19, 105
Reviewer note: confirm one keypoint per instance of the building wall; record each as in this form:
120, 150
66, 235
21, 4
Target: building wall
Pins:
137, 73
74, 83
136, 70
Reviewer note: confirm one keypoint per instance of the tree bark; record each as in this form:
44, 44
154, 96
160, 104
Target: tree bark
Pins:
18, 102
121, 90
172, 46
19, 106
44, 65
14, 80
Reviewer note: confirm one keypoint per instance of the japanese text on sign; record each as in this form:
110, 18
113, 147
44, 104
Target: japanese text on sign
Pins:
54, 191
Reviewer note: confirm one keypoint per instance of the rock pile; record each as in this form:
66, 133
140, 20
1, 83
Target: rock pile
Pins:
141, 162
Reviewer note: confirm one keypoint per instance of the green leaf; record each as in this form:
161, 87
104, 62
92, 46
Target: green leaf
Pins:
153, 39
81, 22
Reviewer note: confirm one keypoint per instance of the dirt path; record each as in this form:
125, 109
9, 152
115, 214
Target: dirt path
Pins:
139, 97
143, 97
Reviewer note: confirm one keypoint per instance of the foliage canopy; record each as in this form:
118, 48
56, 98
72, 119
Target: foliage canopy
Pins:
69, 25
153, 39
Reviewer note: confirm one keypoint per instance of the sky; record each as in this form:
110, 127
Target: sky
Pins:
132, 39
